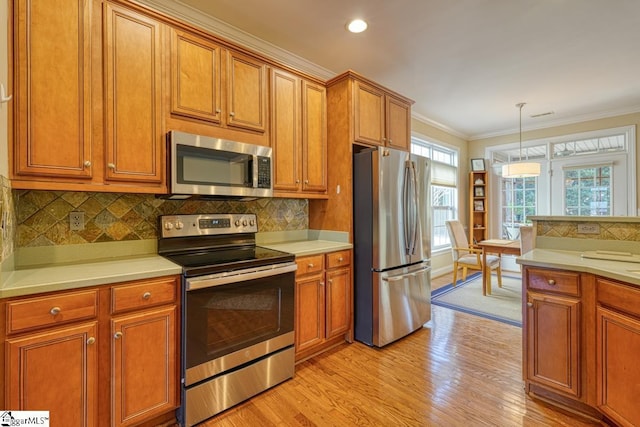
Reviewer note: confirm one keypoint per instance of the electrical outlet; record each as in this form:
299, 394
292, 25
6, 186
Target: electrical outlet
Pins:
76, 221
588, 228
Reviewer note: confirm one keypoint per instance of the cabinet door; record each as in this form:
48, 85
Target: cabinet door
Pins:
338, 300
55, 371
369, 119
195, 77
310, 311
618, 371
553, 342
314, 137
53, 88
285, 130
398, 124
144, 365
133, 80
246, 92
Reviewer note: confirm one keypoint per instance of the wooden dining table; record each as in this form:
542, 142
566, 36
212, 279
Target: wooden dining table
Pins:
495, 246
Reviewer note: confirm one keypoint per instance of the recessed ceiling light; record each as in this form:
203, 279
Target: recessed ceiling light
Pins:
357, 26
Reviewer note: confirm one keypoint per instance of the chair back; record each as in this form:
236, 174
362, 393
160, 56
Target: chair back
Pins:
527, 238
458, 238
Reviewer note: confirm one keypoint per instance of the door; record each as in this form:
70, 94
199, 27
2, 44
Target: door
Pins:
314, 137
401, 217
403, 302
55, 371
133, 81
144, 365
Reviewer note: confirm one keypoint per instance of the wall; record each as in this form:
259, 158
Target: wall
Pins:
478, 147
441, 262
42, 217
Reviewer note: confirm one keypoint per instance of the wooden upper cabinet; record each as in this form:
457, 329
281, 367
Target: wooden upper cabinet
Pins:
195, 77
53, 89
381, 118
133, 102
298, 135
285, 130
369, 123
246, 92
398, 123
314, 137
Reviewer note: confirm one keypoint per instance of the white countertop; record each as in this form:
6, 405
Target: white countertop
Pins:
308, 247
27, 281
124, 263
628, 272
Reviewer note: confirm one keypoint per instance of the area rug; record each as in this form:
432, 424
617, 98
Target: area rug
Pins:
504, 304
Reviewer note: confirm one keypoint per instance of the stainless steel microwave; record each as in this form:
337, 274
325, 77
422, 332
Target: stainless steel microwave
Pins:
217, 168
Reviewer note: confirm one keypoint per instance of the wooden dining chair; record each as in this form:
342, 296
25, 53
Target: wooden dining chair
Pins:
466, 256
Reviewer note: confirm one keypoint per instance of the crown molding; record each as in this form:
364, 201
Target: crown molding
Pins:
437, 125
186, 13
562, 122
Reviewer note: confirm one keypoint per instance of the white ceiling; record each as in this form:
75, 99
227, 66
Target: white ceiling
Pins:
466, 63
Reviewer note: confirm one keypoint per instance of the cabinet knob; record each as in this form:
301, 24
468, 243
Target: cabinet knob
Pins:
330, 281
218, 111
55, 310
87, 163
340, 259
390, 142
111, 165
321, 283
117, 335
91, 340
529, 304
306, 181
551, 282
297, 181
232, 114
146, 295
310, 265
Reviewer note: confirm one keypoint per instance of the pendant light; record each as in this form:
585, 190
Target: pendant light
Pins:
520, 169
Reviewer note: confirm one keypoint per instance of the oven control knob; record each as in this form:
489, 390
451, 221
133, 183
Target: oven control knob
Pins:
244, 223
252, 222
168, 226
179, 225
237, 223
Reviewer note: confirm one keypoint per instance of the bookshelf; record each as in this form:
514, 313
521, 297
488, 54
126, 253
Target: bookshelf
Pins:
478, 206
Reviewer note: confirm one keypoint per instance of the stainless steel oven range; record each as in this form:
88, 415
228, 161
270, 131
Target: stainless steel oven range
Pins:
237, 311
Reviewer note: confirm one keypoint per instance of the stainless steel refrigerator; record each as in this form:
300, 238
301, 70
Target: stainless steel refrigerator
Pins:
392, 244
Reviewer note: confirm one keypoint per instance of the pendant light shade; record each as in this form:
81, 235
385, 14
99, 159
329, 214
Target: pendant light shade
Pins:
520, 169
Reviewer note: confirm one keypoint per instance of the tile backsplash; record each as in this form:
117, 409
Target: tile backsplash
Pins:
42, 217
608, 229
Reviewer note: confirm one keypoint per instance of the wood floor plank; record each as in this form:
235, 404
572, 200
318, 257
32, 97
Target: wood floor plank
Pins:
460, 370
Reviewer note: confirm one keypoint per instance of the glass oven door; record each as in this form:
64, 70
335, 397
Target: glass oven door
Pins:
234, 318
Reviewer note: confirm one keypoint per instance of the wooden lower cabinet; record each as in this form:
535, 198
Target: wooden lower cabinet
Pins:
57, 371
143, 365
104, 356
581, 340
323, 311
618, 346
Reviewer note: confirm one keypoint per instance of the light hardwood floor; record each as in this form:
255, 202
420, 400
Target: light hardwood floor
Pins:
460, 370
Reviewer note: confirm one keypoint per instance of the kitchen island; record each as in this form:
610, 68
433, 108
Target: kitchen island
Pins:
581, 316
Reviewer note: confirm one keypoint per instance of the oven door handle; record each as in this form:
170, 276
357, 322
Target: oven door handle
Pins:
239, 276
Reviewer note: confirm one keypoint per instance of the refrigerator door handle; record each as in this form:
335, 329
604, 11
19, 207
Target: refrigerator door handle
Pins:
410, 207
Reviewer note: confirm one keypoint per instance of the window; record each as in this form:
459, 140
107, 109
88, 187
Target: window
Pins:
576, 178
519, 196
587, 191
444, 194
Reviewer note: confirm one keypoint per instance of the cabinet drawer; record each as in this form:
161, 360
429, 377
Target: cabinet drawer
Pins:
618, 296
554, 281
148, 293
338, 259
40, 312
310, 264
